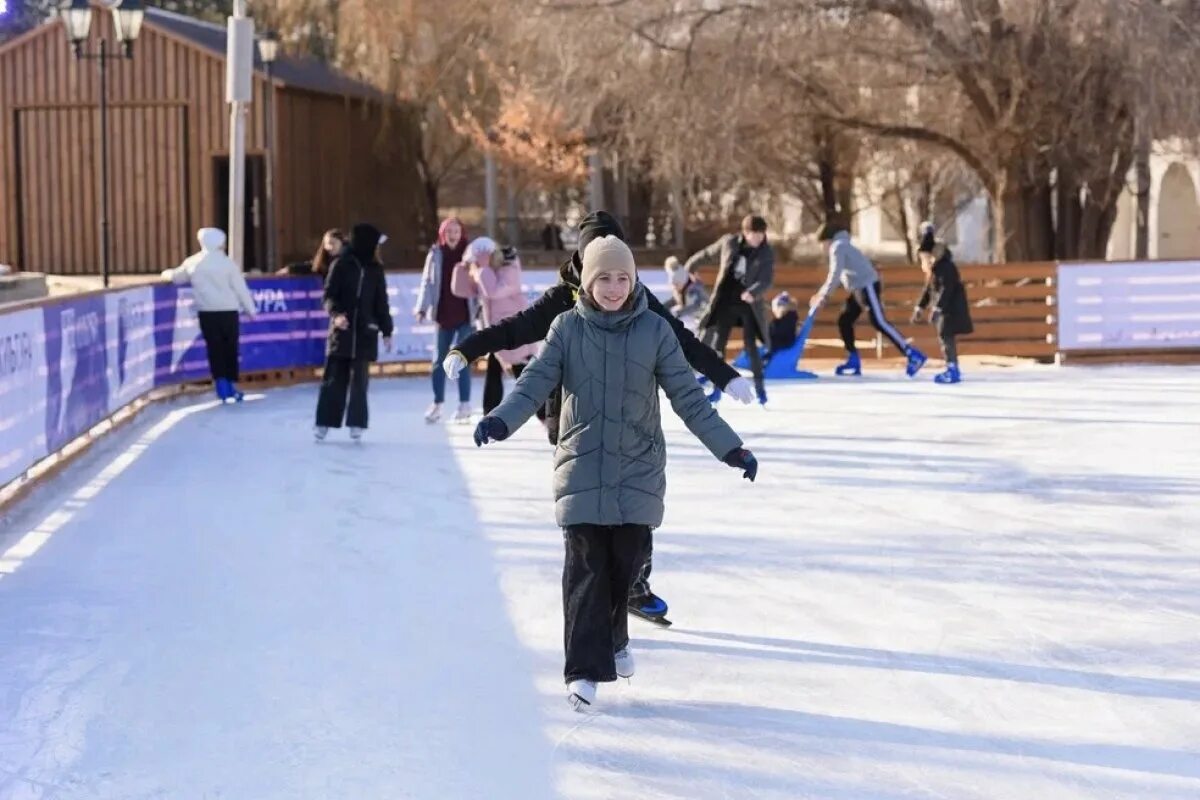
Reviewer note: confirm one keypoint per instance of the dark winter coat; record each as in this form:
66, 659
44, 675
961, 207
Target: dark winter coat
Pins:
356, 287
945, 291
783, 331
759, 277
533, 324
610, 463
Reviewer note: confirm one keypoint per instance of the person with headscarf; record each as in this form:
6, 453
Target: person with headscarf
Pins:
357, 302
452, 315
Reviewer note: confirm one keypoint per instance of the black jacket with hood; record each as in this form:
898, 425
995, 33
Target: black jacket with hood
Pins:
356, 287
945, 291
532, 324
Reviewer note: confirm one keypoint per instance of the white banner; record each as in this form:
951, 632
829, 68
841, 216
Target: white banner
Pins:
22, 392
1122, 306
129, 325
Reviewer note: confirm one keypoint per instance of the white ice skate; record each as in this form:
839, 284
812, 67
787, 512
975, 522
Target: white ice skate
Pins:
320, 432
624, 660
433, 413
356, 434
464, 413
581, 694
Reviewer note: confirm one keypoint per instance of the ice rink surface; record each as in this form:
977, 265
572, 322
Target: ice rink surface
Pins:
988, 591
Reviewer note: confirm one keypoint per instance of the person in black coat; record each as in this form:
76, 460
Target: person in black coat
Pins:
944, 291
532, 325
357, 302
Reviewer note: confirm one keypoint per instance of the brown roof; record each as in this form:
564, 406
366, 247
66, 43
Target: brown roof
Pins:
299, 73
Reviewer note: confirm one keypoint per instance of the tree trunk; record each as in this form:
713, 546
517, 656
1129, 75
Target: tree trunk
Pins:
1024, 228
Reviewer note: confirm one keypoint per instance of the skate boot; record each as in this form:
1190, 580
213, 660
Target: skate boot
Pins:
356, 433
916, 360
649, 607
714, 396
951, 375
464, 413
762, 397
433, 413
581, 694
853, 366
624, 661
320, 432
235, 394
222, 388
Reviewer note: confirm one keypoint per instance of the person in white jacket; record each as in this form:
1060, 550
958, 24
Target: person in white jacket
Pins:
219, 291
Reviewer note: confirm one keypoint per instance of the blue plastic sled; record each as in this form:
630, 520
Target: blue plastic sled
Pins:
782, 365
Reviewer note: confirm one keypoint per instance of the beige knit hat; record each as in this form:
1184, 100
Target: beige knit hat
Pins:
606, 253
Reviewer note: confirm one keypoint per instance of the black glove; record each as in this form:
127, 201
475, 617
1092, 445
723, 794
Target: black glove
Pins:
490, 429
741, 458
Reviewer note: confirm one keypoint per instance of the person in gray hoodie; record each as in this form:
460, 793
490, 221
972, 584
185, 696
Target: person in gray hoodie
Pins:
610, 463
858, 275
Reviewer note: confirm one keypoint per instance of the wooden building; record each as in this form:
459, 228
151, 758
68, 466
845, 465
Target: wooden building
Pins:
342, 153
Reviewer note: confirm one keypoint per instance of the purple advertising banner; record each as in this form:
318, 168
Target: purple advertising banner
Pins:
1121, 306
76, 368
22, 392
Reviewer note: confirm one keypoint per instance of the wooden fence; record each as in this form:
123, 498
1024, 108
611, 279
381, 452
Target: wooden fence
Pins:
1012, 306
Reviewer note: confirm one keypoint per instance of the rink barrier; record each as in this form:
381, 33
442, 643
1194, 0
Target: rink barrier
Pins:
73, 367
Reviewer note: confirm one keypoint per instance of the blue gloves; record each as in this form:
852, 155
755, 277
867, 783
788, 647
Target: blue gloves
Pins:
743, 459
490, 429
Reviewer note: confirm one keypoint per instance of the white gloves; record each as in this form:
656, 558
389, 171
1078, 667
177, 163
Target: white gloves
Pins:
453, 365
741, 390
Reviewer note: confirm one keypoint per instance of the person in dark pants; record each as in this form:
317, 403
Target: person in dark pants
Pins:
219, 291
357, 302
944, 290
746, 273
610, 466
532, 325
858, 275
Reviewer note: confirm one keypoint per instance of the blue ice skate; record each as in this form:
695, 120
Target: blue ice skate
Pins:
223, 388
714, 396
853, 366
916, 360
951, 375
762, 397
651, 608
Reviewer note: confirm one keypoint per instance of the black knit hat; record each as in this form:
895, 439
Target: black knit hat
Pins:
752, 223
829, 229
928, 240
595, 225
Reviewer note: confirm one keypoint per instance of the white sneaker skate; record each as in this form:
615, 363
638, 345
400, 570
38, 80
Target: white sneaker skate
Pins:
356, 433
581, 694
624, 660
433, 413
320, 432
464, 413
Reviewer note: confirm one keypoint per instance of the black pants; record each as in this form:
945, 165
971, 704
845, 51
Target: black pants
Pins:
870, 298
641, 582
342, 374
949, 347
600, 565
493, 387
220, 331
716, 335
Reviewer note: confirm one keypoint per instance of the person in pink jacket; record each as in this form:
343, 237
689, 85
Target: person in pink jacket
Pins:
492, 276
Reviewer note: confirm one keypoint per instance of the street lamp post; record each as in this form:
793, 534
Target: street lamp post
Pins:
268, 51
127, 21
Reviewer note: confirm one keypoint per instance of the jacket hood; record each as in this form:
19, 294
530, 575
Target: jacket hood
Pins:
614, 320
211, 239
364, 238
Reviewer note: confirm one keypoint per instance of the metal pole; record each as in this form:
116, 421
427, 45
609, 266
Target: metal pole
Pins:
104, 225
270, 198
596, 167
239, 75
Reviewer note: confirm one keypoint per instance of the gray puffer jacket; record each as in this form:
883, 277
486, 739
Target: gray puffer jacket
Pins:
610, 464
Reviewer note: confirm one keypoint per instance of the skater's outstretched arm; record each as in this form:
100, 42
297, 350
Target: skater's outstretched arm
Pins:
837, 265
536, 382
706, 256
527, 327
687, 398
702, 357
